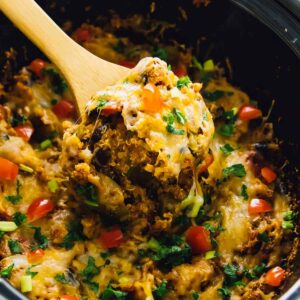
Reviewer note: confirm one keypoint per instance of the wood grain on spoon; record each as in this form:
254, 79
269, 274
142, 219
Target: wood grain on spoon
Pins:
85, 72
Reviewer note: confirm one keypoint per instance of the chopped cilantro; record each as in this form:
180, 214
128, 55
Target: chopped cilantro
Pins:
289, 215
224, 292
237, 170
89, 272
111, 293
226, 149
195, 295
183, 81
244, 193
168, 251
160, 53
101, 103
75, 234
57, 81
256, 272
19, 218
161, 290
14, 247
170, 118
29, 272
62, 278
18, 119
89, 193
263, 237
105, 255
226, 130
232, 275
5, 273
14, 199
180, 117
215, 95
213, 229
41, 240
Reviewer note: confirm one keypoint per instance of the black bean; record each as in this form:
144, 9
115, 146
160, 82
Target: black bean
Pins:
101, 157
98, 132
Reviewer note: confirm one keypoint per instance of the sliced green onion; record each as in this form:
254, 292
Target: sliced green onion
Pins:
25, 168
45, 144
53, 185
209, 65
153, 244
287, 225
91, 203
210, 254
8, 226
26, 284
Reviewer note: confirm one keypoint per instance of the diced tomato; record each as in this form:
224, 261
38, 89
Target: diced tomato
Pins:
112, 238
39, 208
110, 109
152, 101
127, 63
268, 174
8, 170
68, 297
180, 71
275, 276
248, 112
199, 239
35, 256
257, 206
64, 109
37, 67
82, 35
24, 131
208, 160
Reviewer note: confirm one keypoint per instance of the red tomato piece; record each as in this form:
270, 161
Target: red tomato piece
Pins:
110, 109
37, 67
68, 297
208, 160
127, 64
8, 170
82, 35
112, 238
64, 109
257, 206
39, 208
268, 174
24, 131
180, 71
198, 238
152, 101
248, 112
275, 276
35, 256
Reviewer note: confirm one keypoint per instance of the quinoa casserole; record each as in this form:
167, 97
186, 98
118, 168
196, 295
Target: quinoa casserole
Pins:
162, 189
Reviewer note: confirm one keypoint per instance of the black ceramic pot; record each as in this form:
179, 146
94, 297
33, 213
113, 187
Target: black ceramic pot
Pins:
261, 39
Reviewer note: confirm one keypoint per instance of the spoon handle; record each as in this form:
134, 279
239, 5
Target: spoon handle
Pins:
84, 72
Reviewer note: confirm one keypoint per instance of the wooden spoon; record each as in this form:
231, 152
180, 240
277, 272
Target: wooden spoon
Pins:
85, 72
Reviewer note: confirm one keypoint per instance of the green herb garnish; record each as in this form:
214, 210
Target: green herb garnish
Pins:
111, 293
57, 81
237, 170
244, 193
215, 95
183, 81
41, 240
19, 218
5, 273
14, 247
62, 278
29, 272
226, 149
89, 272
75, 234
161, 290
